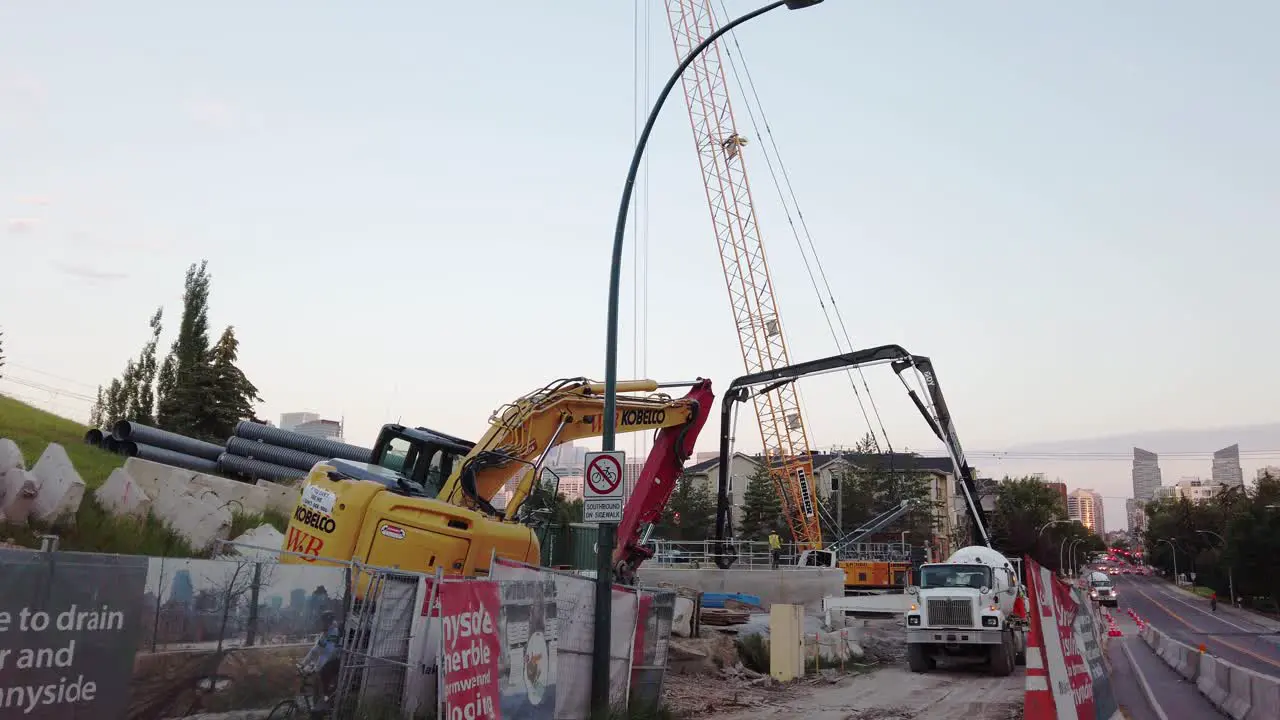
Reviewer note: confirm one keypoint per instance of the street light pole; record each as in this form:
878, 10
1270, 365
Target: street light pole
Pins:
1231, 582
1174, 548
606, 537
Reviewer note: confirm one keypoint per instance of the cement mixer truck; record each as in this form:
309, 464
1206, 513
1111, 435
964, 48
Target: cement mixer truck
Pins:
964, 608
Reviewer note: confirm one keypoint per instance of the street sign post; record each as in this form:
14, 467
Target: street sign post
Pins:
602, 489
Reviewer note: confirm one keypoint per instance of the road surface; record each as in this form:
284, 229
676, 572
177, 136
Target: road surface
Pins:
895, 693
1232, 635
1145, 687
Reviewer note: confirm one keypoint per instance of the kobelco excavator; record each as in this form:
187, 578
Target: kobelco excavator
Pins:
425, 502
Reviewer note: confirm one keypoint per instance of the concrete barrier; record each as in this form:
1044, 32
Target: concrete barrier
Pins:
191, 516
122, 495
11, 456
1241, 693
60, 489
17, 495
793, 586
280, 498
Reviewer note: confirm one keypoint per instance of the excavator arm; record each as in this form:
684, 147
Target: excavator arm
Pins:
671, 448
938, 417
521, 432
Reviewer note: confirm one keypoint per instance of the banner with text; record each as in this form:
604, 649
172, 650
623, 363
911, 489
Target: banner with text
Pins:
69, 627
469, 653
1077, 676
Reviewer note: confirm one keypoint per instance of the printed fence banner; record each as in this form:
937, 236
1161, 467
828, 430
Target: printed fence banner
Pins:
424, 651
654, 615
528, 630
69, 627
470, 652
1073, 677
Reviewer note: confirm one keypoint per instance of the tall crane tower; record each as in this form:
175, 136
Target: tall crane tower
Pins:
746, 271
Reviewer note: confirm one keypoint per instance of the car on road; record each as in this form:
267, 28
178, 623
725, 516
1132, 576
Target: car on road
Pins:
1102, 591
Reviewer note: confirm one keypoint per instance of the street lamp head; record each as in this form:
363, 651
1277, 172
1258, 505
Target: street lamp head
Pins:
801, 4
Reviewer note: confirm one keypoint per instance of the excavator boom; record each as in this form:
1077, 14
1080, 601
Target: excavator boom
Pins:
671, 448
521, 432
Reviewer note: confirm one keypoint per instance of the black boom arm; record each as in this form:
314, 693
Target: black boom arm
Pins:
763, 382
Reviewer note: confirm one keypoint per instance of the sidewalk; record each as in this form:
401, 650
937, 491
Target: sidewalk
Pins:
1231, 611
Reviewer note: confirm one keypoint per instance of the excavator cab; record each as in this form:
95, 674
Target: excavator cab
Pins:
423, 457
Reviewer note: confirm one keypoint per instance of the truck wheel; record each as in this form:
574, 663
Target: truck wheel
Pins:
1002, 656
918, 658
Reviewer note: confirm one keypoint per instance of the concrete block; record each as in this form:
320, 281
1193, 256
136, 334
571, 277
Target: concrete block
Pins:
241, 497
60, 488
122, 495
1264, 696
11, 456
833, 647
281, 498
17, 495
682, 617
196, 520
1239, 703
264, 536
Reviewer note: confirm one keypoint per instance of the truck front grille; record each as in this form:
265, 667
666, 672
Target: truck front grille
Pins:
951, 612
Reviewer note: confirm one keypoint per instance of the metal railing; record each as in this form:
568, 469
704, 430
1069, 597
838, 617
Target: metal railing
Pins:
755, 555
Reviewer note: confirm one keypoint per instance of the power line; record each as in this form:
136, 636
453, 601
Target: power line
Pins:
52, 390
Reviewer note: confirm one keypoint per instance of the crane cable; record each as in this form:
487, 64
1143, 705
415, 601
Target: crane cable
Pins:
830, 295
640, 91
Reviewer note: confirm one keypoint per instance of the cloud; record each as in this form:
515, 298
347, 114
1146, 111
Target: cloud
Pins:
21, 226
88, 273
20, 91
38, 200
213, 113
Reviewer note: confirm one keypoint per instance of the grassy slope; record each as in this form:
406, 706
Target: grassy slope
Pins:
94, 529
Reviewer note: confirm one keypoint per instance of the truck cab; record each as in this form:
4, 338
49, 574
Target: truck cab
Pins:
964, 608
1102, 590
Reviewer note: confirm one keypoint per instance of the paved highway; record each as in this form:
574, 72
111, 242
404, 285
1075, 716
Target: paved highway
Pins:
1234, 636
1144, 686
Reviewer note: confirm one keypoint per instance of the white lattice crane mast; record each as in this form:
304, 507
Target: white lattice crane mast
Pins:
746, 272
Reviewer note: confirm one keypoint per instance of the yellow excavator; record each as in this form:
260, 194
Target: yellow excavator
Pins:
425, 500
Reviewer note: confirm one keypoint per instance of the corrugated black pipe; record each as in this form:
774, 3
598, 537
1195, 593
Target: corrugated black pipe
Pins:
273, 454
93, 437
165, 456
257, 469
304, 443
110, 444
155, 437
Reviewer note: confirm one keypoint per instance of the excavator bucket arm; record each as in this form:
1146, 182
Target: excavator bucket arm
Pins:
521, 432
671, 448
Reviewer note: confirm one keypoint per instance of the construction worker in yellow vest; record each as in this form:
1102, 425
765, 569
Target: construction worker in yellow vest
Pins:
775, 549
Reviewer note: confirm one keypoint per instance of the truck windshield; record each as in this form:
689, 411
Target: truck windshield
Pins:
950, 576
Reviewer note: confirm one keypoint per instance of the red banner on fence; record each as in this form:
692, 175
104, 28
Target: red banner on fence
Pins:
469, 653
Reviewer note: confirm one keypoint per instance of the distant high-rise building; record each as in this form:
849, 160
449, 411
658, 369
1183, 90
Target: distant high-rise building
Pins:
1226, 467
1194, 489
291, 420
1085, 506
322, 429
1146, 474
1136, 514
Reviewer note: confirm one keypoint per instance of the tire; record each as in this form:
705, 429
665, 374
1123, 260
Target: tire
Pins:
285, 710
918, 658
1002, 656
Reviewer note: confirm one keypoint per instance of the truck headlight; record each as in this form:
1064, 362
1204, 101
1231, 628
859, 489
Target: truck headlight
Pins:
990, 621
913, 619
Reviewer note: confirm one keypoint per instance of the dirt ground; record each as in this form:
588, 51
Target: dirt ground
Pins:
880, 688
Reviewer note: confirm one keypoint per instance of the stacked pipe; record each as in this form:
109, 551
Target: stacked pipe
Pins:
255, 451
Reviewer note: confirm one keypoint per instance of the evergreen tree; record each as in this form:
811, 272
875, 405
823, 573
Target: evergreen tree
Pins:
117, 402
233, 396
186, 388
96, 411
761, 508
690, 514
142, 390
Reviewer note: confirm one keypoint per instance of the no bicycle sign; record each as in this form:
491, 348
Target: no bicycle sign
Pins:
602, 491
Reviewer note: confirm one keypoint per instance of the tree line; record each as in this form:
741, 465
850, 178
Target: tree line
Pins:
197, 390
1234, 535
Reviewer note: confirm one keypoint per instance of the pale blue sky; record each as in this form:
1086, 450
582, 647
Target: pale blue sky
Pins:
407, 207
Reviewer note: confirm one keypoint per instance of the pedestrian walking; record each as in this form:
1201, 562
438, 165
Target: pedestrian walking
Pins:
775, 549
